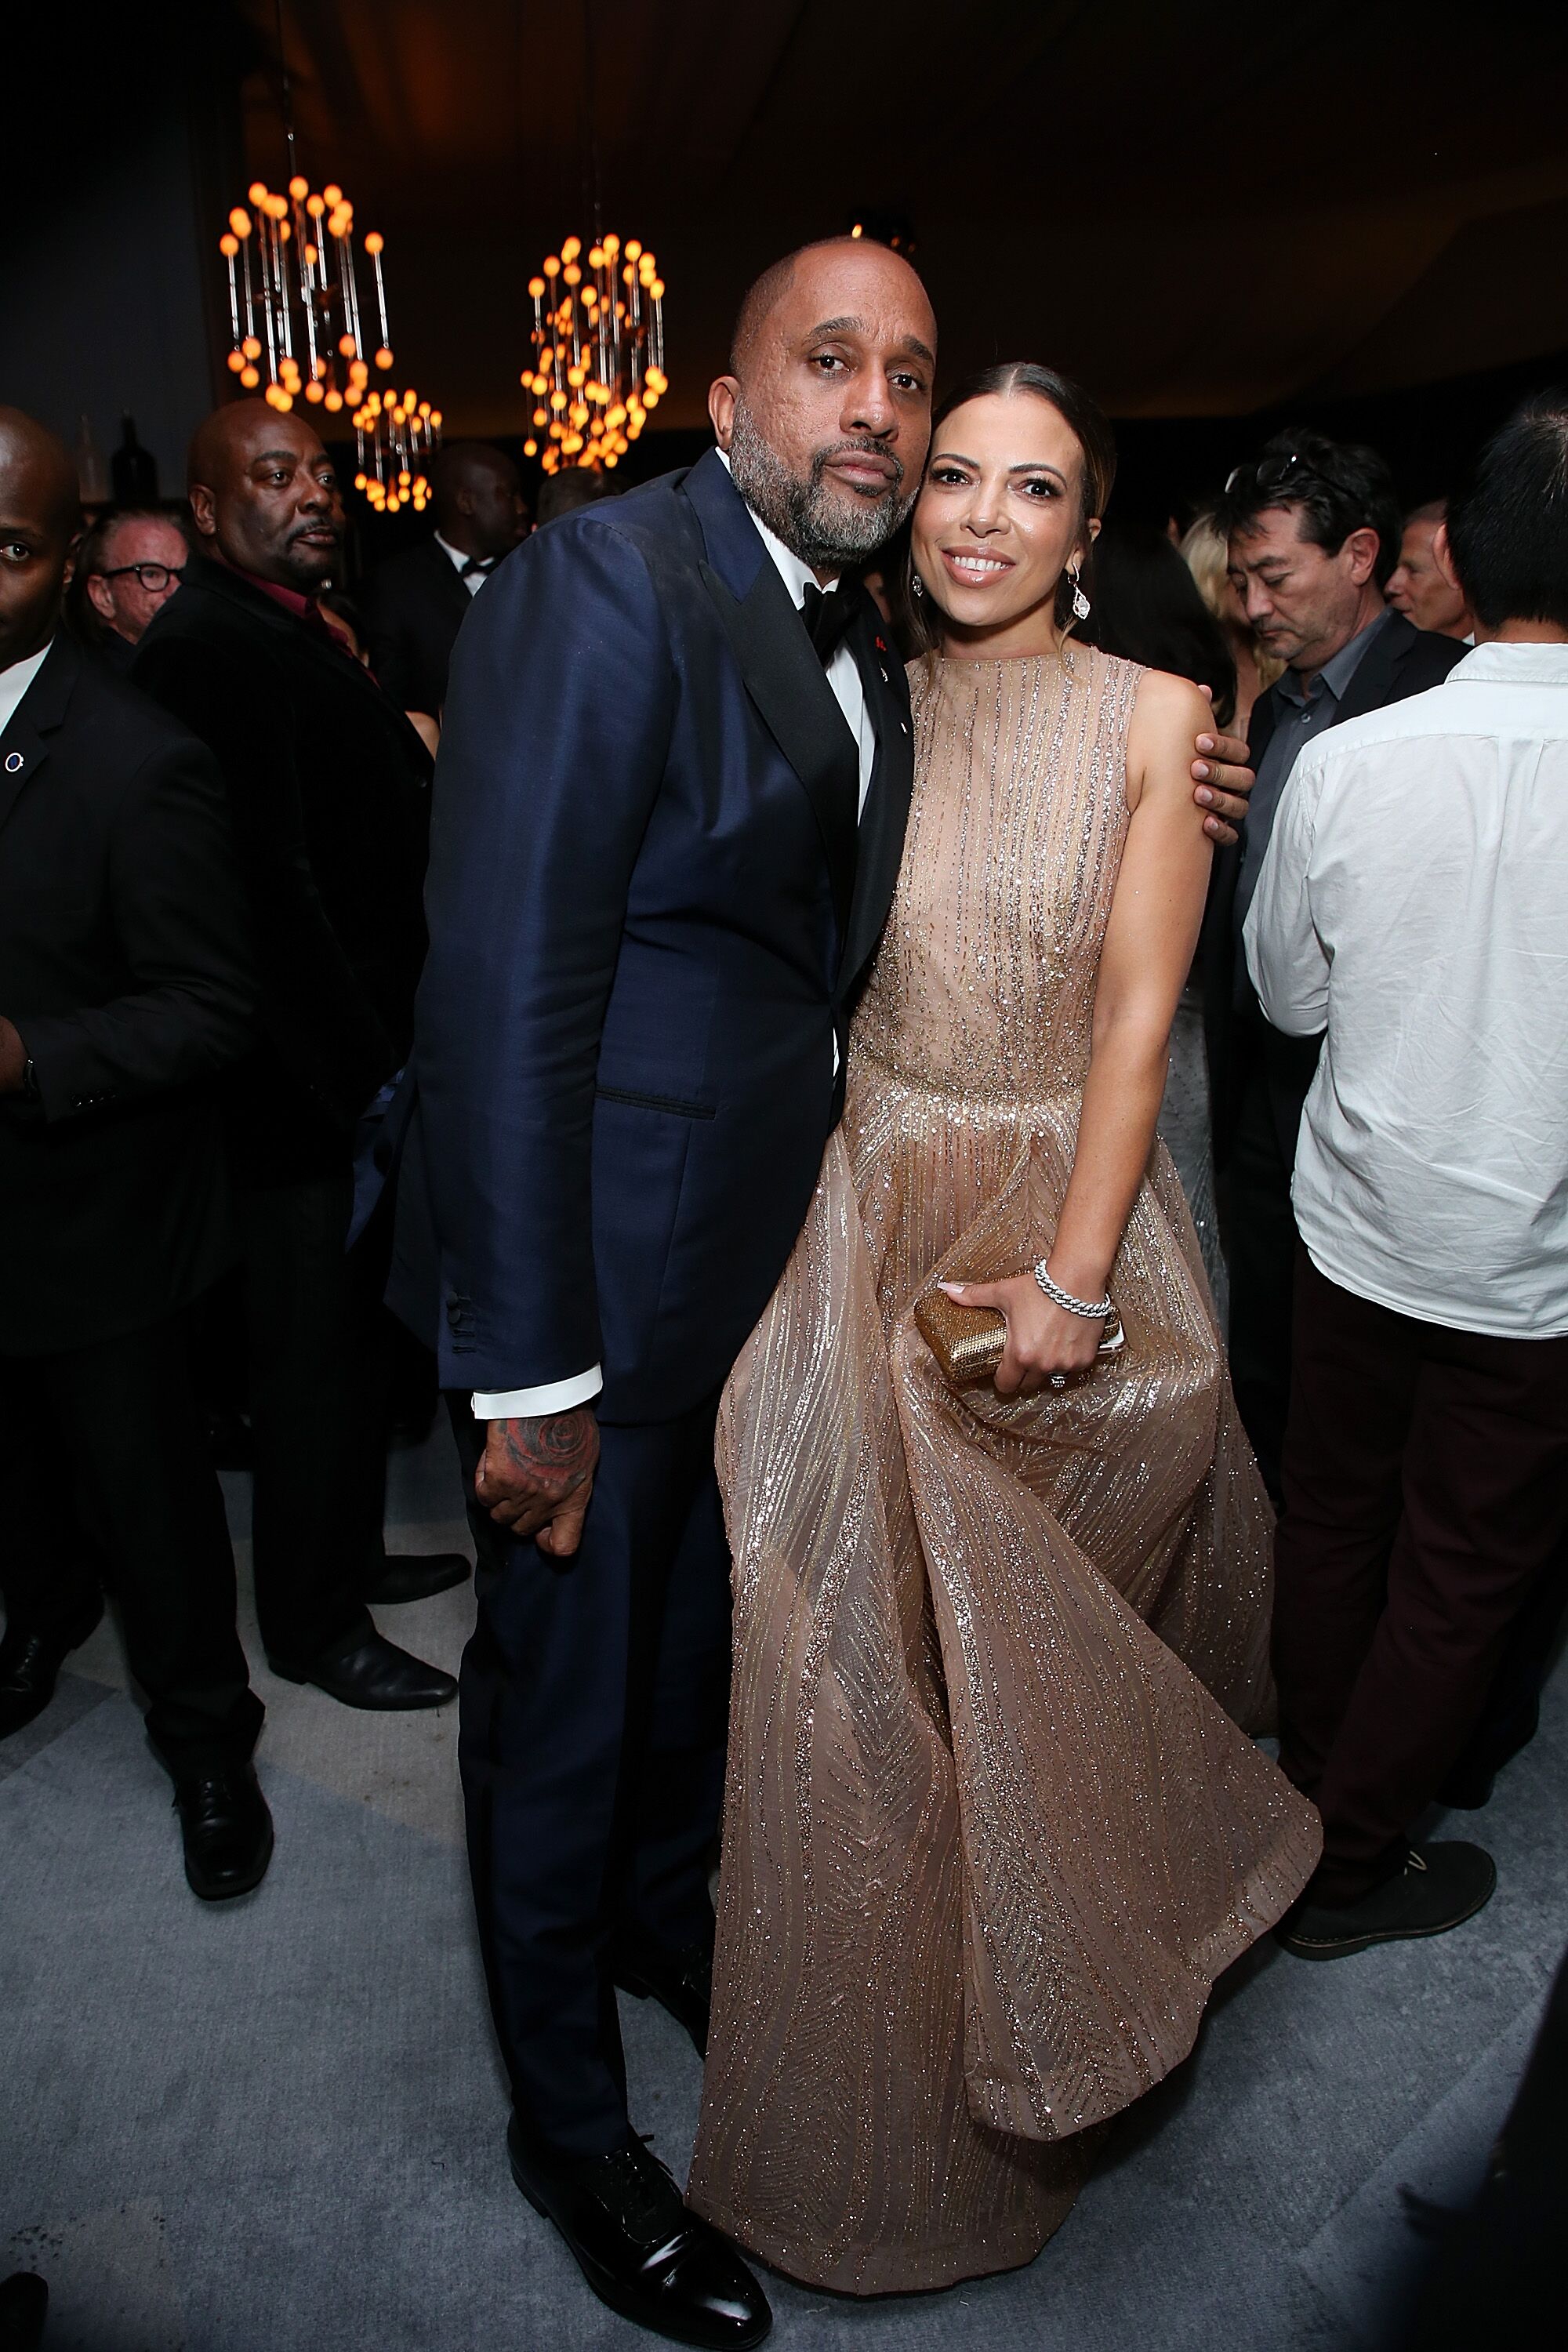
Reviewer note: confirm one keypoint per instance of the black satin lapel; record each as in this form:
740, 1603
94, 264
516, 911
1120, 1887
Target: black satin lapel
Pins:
785, 681
887, 812
24, 744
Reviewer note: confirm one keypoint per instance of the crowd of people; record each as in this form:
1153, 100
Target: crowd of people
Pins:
710, 1022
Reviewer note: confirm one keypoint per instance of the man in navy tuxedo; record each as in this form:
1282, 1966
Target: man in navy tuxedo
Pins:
668, 820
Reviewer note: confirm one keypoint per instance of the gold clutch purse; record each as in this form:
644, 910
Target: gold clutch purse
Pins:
968, 1341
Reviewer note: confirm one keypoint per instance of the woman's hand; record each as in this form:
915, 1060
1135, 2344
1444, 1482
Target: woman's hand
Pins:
1042, 1338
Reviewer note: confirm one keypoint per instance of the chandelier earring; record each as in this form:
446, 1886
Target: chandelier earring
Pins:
1080, 604
917, 585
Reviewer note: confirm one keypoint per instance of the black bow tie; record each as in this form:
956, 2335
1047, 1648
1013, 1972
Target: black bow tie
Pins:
827, 617
485, 563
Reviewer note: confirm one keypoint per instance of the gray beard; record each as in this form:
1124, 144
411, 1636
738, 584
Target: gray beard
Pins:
824, 527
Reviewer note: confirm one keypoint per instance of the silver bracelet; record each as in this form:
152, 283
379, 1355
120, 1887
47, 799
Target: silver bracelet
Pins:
1092, 1312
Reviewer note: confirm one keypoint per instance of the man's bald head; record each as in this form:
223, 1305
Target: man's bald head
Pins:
825, 413
264, 496
477, 499
780, 279
39, 523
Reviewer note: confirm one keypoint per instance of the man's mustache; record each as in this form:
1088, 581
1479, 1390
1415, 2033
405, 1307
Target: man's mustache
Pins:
823, 459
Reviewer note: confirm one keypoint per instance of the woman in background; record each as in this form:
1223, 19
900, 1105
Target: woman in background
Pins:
1204, 550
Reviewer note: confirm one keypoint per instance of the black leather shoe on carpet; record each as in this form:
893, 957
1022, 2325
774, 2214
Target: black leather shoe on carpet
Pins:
30, 1666
24, 2307
376, 1674
639, 2249
681, 1983
227, 1831
415, 1576
1439, 1887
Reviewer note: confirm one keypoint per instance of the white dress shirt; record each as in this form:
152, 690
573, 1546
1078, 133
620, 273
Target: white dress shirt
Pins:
843, 676
14, 682
1414, 902
474, 580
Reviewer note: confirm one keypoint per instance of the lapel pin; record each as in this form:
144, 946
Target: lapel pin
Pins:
13, 761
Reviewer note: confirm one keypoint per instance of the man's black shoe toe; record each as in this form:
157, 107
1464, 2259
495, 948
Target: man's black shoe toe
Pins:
639, 2247
30, 1667
227, 1832
376, 1674
416, 1576
681, 1983
1440, 1887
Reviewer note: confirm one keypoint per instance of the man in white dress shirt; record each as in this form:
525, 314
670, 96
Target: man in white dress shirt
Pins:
1414, 903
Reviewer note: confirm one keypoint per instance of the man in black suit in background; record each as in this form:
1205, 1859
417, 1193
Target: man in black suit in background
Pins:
1314, 528
328, 788
414, 604
125, 986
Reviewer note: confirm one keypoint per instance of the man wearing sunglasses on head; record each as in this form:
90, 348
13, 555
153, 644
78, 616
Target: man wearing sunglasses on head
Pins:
1314, 529
129, 566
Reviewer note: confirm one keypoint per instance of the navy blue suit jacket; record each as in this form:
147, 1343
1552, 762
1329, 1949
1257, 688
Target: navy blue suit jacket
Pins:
650, 911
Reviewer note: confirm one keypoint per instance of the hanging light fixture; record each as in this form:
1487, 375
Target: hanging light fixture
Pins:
597, 365
298, 325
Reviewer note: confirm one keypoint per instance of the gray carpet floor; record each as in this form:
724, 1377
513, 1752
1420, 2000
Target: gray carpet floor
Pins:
277, 2126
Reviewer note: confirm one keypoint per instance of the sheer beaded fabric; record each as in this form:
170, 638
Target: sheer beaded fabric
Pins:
993, 1825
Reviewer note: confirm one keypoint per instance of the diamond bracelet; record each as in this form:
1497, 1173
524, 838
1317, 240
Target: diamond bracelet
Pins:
1093, 1311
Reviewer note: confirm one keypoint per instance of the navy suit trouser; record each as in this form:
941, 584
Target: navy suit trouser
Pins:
593, 1701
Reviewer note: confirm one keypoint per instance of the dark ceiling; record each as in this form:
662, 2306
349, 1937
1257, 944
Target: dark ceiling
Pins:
1203, 210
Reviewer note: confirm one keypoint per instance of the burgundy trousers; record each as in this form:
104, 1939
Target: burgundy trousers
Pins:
1426, 1478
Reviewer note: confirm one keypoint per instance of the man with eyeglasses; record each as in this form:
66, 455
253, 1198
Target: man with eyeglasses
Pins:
1314, 529
131, 564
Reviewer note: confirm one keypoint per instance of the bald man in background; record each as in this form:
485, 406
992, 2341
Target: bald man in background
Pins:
414, 604
328, 788
126, 988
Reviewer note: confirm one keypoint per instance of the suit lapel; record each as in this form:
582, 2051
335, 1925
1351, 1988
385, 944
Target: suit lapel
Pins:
1371, 686
23, 746
886, 816
779, 669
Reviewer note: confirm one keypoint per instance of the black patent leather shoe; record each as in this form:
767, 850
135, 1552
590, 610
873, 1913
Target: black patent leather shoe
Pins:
639, 2247
376, 1674
416, 1576
681, 1983
30, 1667
227, 1831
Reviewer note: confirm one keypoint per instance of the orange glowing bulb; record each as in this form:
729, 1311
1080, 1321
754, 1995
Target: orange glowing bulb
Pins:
611, 459
332, 400
257, 191
383, 357
332, 193
229, 247
239, 221
541, 416
572, 274
347, 345
531, 448
657, 289
651, 400
251, 348
435, 420
558, 400
633, 248
360, 482
312, 392
612, 246
249, 378
571, 248
536, 288
596, 258
403, 479
551, 267
237, 362
315, 206
299, 189
375, 242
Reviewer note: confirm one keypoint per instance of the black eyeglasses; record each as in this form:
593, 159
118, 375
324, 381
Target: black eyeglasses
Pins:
154, 577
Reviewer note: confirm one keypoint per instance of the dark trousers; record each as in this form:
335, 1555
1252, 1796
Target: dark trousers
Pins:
1258, 1228
318, 1354
593, 1698
1426, 1498
104, 1479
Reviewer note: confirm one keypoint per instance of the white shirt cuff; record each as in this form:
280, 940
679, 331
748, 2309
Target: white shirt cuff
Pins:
527, 1404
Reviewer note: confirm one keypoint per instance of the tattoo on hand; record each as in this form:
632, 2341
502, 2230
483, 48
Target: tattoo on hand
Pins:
555, 1452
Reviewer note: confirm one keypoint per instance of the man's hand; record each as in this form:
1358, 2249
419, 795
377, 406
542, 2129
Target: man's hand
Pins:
1223, 780
13, 1059
536, 1477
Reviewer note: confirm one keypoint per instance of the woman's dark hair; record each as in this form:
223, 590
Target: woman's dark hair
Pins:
1507, 521
1083, 417
1148, 608
1336, 487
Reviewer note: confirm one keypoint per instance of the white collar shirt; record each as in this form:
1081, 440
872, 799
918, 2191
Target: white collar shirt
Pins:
1414, 903
14, 682
473, 581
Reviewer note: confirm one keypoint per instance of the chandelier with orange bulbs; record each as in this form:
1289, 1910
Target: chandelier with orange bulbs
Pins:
597, 365
299, 331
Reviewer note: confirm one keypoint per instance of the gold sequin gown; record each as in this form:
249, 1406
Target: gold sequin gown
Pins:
992, 1830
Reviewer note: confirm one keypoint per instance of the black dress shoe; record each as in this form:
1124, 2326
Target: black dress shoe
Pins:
1440, 1886
376, 1674
24, 2307
227, 1831
30, 1666
415, 1575
638, 2246
681, 1983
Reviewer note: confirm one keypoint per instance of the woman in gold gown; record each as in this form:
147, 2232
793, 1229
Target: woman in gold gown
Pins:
993, 1823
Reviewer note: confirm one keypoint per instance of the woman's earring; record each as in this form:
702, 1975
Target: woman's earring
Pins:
1080, 606
917, 585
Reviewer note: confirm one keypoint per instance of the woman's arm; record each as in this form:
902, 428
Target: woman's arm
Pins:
1143, 965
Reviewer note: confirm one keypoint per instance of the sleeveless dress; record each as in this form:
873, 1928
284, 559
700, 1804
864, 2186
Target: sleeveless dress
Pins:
993, 1825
